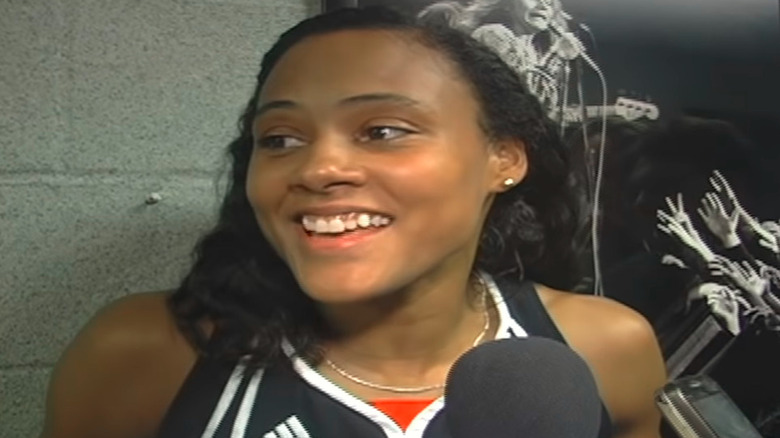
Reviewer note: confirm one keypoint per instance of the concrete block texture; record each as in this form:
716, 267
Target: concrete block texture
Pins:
70, 245
161, 84
103, 103
22, 401
31, 67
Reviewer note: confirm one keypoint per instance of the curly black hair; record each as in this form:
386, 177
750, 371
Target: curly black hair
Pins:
240, 283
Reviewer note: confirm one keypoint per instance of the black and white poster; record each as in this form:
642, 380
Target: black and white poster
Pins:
671, 110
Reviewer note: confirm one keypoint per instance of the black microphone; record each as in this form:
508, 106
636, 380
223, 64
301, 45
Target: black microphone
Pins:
522, 387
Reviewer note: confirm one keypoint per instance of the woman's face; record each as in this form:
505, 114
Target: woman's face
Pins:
534, 14
370, 171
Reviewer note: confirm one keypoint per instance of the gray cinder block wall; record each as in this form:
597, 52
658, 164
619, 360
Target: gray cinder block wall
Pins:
103, 103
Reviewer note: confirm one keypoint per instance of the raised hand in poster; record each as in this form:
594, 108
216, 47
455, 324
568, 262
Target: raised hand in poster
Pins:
743, 276
725, 304
721, 223
765, 238
678, 224
772, 228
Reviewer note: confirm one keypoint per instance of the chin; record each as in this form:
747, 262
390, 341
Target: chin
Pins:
340, 295
334, 288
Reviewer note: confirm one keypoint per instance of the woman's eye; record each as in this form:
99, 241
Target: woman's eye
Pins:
385, 133
278, 142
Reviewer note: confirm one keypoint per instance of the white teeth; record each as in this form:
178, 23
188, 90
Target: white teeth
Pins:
364, 220
308, 224
336, 226
341, 223
321, 226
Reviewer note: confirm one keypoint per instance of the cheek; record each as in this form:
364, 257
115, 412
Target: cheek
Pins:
255, 181
440, 193
263, 189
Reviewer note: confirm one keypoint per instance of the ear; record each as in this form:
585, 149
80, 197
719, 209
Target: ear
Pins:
509, 164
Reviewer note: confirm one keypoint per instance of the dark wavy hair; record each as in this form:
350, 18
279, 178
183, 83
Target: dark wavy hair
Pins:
241, 284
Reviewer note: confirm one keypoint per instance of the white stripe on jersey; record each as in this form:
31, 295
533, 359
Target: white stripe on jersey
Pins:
247, 403
224, 401
289, 428
297, 428
283, 431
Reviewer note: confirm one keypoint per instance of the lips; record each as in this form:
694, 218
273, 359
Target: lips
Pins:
338, 227
329, 242
343, 223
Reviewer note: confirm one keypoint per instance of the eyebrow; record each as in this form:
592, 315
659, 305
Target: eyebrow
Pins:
352, 100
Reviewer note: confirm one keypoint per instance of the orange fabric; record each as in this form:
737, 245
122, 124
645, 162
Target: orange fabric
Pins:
402, 411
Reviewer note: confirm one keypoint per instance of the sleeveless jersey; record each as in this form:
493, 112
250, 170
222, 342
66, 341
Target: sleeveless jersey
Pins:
291, 400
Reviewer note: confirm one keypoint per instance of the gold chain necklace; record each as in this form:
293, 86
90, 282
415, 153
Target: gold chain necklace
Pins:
413, 389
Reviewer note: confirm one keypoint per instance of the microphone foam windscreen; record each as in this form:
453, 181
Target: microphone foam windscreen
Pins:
522, 387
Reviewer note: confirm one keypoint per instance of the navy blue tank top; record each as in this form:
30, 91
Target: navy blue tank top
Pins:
291, 400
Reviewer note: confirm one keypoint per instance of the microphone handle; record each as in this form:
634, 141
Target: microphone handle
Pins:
697, 407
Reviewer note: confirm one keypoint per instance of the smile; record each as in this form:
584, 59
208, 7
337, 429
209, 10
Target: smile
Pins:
343, 223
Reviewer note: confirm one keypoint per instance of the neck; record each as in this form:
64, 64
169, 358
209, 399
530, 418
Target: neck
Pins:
427, 324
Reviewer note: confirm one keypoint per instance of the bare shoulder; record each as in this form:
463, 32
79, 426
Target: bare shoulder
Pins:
621, 348
121, 372
613, 328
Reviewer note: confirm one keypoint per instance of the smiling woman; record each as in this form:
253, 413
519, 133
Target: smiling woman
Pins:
397, 198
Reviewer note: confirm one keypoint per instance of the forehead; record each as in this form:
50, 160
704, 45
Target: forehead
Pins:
354, 62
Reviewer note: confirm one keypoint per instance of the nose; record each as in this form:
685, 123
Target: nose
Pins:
329, 163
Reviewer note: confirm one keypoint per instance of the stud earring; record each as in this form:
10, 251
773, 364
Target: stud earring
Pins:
509, 182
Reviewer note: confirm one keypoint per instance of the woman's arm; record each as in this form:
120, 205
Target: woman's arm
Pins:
621, 349
119, 375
